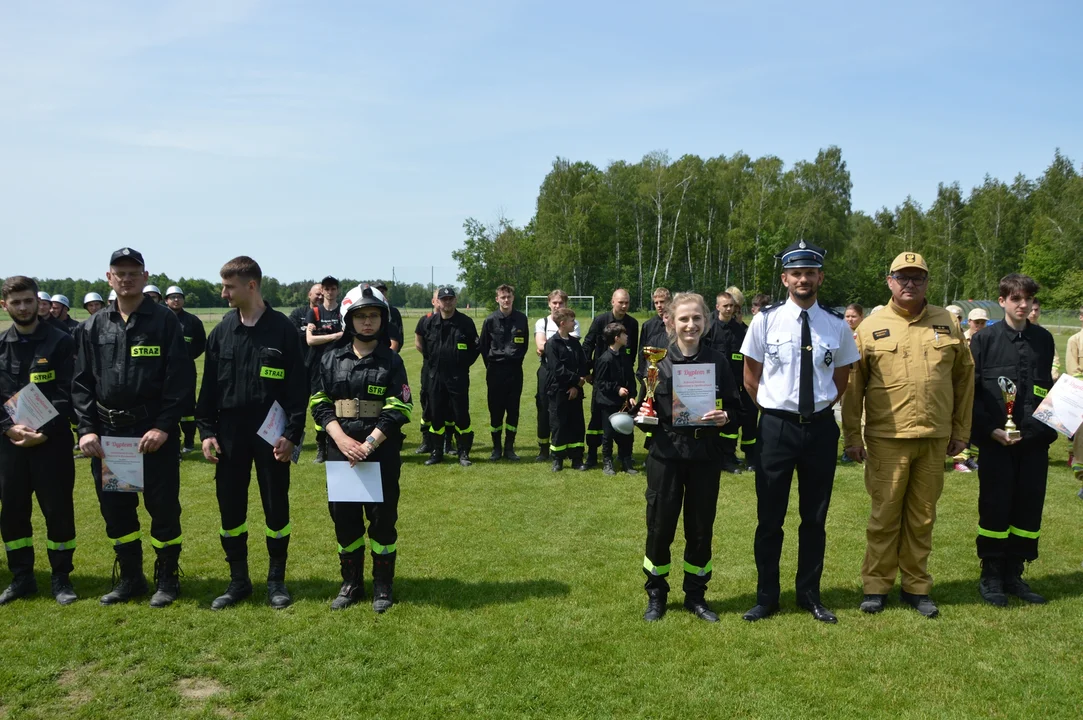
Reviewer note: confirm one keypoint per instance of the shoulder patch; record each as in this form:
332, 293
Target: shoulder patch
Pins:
942, 328
831, 310
770, 308
880, 334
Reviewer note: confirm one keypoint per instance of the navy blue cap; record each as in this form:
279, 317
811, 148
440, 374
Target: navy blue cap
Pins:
126, 254
445, 292
802, 255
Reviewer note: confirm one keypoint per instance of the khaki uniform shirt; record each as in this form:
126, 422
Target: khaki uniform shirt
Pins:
915, 378
1073, 360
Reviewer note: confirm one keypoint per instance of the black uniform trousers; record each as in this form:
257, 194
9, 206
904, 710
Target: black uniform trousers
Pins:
47, 471
504, 382
188, 412
161, 495
749, 429
423, 398
349, 517
541, 403
609, 435
242, 448
566, 422
449, 405
810, 448
673, 484
1011, 495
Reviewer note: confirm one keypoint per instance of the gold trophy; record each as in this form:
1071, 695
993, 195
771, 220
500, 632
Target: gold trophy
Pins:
653, 355
1009, 391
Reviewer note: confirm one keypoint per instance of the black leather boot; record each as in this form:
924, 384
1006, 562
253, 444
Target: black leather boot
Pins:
509, 446
23, 582
497, 452
321, 448
277, 594
607, 466
592, 459
128, 578
465, 443
426, 443
166, 577
629, 465
353, 585
449, 441
991, 584
1014, 584
383, 577
239, 588
656, 604
558, 463
543, 453
576, 459
437, 455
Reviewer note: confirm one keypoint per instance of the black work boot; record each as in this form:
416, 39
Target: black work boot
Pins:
352, 591
730, 464
128, 578
23, 582
592, 459
449, 441
465, 443
166, 577
239, 588
576, 460
277, 595
991, 584
383, 577
437, 455
698, 606
656, 604
426, 443
509, 446
607, 465
321, 448
629, 465
60, 582
558, 463
543, 453
1014, 584
497, 452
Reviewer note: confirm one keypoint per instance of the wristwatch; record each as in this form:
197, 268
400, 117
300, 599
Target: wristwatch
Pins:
372, 441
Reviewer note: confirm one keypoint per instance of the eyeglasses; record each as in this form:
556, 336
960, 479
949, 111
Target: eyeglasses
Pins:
915, 280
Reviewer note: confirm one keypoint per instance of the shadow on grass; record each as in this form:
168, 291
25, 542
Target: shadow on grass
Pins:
454, 594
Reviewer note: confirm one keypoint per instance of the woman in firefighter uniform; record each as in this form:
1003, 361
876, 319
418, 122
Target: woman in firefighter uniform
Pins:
361, 396
684, 463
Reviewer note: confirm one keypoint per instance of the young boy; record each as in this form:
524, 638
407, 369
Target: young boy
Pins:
1012, 474
614, 383
566, 366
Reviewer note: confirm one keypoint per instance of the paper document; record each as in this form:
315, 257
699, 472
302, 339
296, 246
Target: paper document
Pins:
122, 469
1062, 408
30, 407
273, 425
360, 483
693, 394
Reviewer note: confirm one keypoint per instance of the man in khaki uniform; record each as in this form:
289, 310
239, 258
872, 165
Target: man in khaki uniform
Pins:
1073, 365
915, 382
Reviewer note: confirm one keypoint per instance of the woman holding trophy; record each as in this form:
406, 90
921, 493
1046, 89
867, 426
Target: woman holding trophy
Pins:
689, 393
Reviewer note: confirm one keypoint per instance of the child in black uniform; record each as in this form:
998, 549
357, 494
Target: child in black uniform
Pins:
567, 371
614, 384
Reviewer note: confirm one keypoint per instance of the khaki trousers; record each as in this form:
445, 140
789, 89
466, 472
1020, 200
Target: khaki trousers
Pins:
904, 479
1077, 451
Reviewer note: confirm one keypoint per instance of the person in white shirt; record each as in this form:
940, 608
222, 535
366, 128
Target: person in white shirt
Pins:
544, 329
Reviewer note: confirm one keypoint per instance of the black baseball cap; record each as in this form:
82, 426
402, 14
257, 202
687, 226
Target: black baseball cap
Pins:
128, 254
445, 292
329, 280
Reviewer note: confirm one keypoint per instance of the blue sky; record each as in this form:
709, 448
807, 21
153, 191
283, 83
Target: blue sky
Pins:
355, 137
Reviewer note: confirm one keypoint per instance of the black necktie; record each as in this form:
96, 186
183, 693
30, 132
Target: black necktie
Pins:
805, 403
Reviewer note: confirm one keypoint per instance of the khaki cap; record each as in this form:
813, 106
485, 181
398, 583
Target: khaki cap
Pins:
977, 314
908, 260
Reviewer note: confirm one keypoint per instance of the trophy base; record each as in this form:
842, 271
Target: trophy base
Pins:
646, 420
1014, 434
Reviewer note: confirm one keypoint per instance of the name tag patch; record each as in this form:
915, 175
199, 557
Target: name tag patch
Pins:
942, 328
187, 339
738, 357
718, 404
1038, 391
146, 351
377, 390
461, 346
517, 341
40, 377
272, 373
880, 334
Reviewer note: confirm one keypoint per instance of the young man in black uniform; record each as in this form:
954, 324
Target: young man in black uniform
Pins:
566, 374
299, 315
594, 346
60, 307
503, 348
394, 325
450, 348
428, 438
254, 360
36, 462
131, 380
654, 330
725, 337
324, 328
195, 339
614, 385
1013, 470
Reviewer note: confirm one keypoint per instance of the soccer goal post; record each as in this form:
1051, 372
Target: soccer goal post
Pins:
537, 307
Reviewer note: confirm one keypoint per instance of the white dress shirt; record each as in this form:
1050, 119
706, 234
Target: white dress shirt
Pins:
547, 326
774, 339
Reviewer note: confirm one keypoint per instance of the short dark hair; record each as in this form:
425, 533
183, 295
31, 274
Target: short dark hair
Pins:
562, 314
329, 281
242, 267
761, 299
613, 331
1018, 283
1037, 302
856, 308
506, 288
724, 294
18, 283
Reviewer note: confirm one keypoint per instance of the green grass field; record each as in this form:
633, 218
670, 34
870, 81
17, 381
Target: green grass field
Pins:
520, 594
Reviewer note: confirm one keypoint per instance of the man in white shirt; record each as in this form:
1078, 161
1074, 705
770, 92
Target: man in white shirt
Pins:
797, 363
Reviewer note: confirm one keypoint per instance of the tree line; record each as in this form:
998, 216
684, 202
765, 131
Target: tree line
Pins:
708, 224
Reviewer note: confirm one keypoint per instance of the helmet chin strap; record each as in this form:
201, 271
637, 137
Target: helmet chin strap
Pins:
367, 338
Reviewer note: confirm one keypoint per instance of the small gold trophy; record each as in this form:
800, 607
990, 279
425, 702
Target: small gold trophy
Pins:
653, 355
1009, 391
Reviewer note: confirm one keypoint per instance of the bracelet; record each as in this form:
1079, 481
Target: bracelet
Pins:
372, 441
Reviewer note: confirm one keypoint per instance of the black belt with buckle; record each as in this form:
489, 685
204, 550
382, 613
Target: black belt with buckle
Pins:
697, 432
122, 418
798, 418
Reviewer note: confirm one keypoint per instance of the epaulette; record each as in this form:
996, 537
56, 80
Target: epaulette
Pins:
831, 310
769, 308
